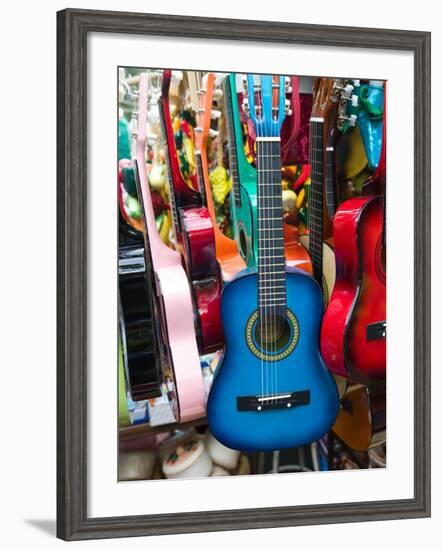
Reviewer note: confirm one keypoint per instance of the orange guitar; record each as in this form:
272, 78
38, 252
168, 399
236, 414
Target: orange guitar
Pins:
201, 91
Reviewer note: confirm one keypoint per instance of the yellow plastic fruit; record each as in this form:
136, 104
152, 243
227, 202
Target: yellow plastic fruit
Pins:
220, 184
300, 198
165, 227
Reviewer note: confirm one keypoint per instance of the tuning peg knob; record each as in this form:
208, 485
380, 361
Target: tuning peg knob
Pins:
214, 114
348, 89
354, 100
356, 83
352, 120
213, 133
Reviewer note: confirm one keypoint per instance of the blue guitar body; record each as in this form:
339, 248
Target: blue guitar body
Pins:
297, 395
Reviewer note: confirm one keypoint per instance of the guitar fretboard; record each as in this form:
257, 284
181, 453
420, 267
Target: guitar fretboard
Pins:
172, 198
200, 177
271, 260
329, 181
315, 196
231, 143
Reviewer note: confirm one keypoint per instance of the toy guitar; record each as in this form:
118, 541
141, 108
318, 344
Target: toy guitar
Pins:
195, 238
271, 389
323, 113
172, 301
353, 335
243, 201
201, 92
138, 336
361, 421
244, 191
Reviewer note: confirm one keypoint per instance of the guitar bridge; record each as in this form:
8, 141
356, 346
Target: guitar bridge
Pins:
272, 402
376, 331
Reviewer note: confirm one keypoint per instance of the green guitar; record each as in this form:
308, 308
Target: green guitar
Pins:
243, 201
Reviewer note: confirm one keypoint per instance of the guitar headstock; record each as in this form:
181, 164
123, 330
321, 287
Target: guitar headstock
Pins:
325, 98
265, 103
201, 99
331, 97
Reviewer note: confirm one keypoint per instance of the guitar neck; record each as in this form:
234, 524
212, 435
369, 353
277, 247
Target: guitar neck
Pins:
271, 261
231, 142
172, 196
200, 177
316, 195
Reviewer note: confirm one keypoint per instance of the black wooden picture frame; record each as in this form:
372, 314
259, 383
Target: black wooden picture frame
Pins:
73, 27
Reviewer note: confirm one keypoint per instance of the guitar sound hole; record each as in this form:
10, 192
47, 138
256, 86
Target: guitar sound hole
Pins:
273, 333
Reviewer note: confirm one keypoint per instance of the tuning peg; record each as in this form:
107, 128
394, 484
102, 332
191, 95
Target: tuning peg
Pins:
213, 133
245, 105
347, 90
287, 109
177, 77
351, 120
215, 114
356, 83
354, 100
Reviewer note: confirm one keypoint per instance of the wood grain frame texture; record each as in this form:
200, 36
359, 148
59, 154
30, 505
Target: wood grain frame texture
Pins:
73, 27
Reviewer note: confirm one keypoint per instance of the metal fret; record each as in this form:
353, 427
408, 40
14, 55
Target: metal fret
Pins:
271, 260
231, 143
316, 195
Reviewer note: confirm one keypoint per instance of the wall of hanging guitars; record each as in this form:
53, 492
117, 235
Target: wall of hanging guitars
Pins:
252, 273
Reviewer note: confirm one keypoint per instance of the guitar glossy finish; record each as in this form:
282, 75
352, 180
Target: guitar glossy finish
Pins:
359, 295
361, 421
243, 198
240, 373
227, 253
195, 236
173, 301
271, 389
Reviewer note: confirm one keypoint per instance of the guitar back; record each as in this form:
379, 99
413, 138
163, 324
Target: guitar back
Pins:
353, 342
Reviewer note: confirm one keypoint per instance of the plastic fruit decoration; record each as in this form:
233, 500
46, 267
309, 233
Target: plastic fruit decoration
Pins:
157, 174
288, 201
220, 183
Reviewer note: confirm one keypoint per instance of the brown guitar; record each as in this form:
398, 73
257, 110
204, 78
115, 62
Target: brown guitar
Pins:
361, 422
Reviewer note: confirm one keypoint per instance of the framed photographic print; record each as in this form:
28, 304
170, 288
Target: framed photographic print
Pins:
243, 274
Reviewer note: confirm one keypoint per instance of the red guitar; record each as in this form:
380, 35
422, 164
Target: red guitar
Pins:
195, 238
353, 335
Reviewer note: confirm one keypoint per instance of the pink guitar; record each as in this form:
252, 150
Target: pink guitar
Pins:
172, 302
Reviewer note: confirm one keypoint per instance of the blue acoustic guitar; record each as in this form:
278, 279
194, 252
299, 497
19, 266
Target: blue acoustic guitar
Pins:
243, 199
271, 389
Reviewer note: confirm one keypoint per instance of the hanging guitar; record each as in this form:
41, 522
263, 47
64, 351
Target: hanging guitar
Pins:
201, 93
243, 199
194, 234
353, 335
171, 296
294, 251
326, 124
271, 389
361, 422
138, 337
